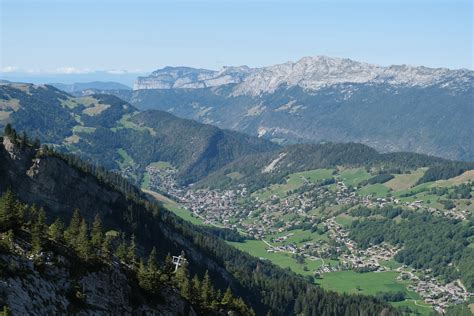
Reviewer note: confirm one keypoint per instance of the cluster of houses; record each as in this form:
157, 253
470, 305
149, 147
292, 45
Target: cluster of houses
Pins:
261, 217
438, 295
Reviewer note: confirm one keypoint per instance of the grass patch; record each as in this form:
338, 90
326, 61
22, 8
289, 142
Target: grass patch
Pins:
344, 220
378, 190
257, 248
293, 182
405, 181
124, 122
174, 207
352, 177
391, 264
127, 160
369, 283
96, 109
83, 129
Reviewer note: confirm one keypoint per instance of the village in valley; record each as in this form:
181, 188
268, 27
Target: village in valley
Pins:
309, 220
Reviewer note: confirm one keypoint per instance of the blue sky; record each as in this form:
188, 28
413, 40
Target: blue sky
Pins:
139, 36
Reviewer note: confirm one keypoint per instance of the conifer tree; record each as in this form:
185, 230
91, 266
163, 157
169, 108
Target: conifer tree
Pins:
83, 246
143, 278
195, 290
182, 279
106, 246
56, 230
72, 231
206, 290
121, 251
38, 232
97, 236
168, 267
7, 206
228, 298
153, 272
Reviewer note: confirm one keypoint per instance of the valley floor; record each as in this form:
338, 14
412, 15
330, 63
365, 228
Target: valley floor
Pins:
304, 225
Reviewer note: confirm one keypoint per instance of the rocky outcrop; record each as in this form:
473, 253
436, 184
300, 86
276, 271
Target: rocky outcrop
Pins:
53, 285
310, 73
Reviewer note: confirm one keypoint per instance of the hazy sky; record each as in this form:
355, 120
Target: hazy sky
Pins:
73, 36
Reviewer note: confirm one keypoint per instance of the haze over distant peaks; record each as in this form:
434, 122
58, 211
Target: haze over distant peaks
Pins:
310, 73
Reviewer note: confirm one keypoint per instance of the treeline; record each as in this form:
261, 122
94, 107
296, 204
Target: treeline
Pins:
445, 171
226, 234
380, 178
93, 246
429, 242
386, 211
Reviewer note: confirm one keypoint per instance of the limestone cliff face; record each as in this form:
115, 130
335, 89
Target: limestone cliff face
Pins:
55, 286
51, 182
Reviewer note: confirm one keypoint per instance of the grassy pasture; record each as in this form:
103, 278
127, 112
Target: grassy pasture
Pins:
174, 207
257, 248
352, 177
378, 190
405, 181
294, 181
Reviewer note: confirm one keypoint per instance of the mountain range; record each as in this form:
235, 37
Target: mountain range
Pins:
107, 131
318, 99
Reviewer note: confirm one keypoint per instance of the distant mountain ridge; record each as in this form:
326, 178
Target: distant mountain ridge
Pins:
95, 85
320, 99
310, 73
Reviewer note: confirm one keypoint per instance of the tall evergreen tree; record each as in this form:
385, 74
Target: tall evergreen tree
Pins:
38, 232
97, 236
72, 231
56, 230
7, 206
183, 281
228, 298
195, 290
83, 246
206, 290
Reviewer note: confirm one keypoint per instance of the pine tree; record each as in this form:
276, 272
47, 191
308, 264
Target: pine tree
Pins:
168, 269
195, 290
121, 251
143, 277
206, 290
7, 206
56, 230
38, 232
83, 246
182, 279
153, 272
106, 246
97, 236
72, 231
228, 298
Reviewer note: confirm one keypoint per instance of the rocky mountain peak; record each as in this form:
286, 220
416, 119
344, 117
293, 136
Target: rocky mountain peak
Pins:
310, 73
